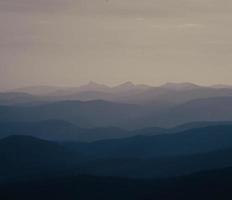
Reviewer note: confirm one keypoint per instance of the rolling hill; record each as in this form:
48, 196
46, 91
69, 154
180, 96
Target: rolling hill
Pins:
23, 157
188, 142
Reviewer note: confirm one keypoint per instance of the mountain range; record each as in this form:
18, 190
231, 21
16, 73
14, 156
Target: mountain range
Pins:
126, 106
158, 156
99, 113
135, 141
124, 93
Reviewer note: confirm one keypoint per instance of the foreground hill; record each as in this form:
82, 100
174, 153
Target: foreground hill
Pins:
202, 186
26, 156
159, 167
142, 156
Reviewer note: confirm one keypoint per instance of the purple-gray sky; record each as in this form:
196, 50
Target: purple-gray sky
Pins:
69, 42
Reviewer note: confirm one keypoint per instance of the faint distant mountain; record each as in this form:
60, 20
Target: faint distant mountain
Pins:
173, 97
124, 87
172, 94
180, 86
50, 129
210, 109
62, 131
90, 95
84, 114
213, 109
166, 95
90, 88
62, 91
129, 86
221, 86
39, 90
58, 130
96, 87
94, 91
198, 124
11, 98
163, 95
93, 86
100, 113
74, 91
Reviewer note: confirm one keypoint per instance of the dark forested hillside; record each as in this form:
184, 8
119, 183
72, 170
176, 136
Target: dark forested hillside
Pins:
205, 185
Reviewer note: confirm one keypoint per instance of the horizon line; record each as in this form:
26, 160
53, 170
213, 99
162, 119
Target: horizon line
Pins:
220, 85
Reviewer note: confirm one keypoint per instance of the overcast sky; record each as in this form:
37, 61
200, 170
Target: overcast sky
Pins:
70, 42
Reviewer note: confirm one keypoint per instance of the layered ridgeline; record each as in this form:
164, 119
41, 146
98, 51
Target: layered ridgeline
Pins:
74, 139
64, 131
124, 93
156, 156
126, 106
128, 116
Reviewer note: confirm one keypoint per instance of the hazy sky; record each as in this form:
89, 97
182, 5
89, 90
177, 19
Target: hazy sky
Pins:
69, 42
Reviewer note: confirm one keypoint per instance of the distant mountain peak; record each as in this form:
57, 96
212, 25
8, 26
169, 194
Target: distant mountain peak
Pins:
221, 86
127, 84
93, 83
94, 86
180, 86
38, 90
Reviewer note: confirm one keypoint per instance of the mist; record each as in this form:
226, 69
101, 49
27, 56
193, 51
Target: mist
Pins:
68, 43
